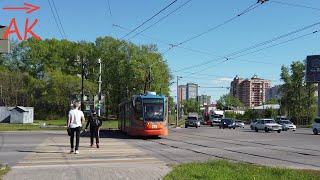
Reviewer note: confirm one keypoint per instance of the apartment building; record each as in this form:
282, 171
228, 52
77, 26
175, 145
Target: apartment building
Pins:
204, 99
252, 92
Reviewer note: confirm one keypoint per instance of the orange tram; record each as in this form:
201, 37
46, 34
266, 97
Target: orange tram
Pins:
144, 115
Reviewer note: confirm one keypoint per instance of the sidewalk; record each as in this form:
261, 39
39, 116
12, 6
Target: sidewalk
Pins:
115, 159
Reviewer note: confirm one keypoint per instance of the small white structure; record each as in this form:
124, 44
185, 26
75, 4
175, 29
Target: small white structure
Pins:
21, 115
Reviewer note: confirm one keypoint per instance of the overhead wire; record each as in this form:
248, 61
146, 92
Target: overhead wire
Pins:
160, 19
296, 5
193, 50
250, 8
54, 5
109, 7
308, 34
228, 56
55, 19
149, 19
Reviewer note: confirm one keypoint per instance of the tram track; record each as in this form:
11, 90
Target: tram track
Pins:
252, 145
241, 153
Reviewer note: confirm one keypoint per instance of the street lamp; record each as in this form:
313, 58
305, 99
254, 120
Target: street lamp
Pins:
178, 77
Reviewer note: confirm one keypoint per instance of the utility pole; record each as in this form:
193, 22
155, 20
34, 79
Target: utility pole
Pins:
82, 84
99, 93
177, 101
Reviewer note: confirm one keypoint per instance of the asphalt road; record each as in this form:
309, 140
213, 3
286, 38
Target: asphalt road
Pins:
14, 146
299, 149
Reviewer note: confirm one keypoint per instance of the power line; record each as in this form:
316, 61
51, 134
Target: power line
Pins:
228, 56
250, 8
55, 19
166, 43
260, 49
160, 19
149, 19
193, 50
296, 5
109, 7
54, 5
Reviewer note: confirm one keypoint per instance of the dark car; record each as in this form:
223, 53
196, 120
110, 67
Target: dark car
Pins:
192, 122
227, 123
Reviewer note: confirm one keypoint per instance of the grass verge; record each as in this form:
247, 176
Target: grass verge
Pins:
50, 125
3, 171
223, 169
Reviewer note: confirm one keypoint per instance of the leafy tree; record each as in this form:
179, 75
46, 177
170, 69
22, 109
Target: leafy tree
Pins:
230, 114
227, 101
250, 114
44, 73
298, 101
191, 106
270, 113
272, 101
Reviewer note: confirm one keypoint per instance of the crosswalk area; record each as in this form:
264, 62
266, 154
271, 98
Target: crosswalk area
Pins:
115, 159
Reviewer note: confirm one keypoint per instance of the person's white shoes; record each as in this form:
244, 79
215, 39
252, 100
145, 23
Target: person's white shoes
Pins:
76, 152
71, 151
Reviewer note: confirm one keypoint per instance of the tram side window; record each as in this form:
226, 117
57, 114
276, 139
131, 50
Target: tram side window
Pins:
138, 109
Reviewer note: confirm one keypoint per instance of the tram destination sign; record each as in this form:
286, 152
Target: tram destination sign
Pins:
313, 69
153, 101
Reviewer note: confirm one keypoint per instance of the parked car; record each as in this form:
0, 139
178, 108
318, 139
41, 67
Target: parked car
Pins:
207, 122
215, 121
287, 125
267, 125
227, 123
316, 125
239, 123
253, 124
192, 122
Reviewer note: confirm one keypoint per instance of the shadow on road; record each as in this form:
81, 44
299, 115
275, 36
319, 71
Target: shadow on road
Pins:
117, 134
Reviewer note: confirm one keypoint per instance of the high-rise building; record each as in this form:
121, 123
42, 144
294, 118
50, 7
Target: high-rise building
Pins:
192, 91
252, 92
182, 93
274, 92
204, 99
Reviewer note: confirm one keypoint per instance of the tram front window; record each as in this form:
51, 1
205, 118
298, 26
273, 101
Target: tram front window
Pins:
153, 112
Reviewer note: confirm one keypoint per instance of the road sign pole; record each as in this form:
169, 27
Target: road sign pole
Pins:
99, 93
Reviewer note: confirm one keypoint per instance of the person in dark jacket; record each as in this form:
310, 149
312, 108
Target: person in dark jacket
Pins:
95, 124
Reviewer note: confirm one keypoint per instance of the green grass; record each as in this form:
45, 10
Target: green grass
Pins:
3, 171
60, 123
113, 124
224, 170
172, 120
304, 126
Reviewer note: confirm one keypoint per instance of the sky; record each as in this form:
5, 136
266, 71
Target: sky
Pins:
205, 59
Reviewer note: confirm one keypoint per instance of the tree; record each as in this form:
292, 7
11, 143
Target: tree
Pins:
191, 106
298, 101
270, 113
272, 101
227, 101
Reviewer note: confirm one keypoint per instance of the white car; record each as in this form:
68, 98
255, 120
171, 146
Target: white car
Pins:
287, 125
253, 124
267, 125
239, 123
316, 125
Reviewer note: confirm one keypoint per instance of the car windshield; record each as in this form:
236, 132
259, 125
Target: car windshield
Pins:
287, 122
228, 120
269, 121
192, 118
317, 120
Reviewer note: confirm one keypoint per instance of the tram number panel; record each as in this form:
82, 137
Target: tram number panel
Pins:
154, 126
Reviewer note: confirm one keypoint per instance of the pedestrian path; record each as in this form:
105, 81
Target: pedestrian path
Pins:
115, 159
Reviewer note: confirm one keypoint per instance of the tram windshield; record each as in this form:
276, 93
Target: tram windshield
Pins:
153, 109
